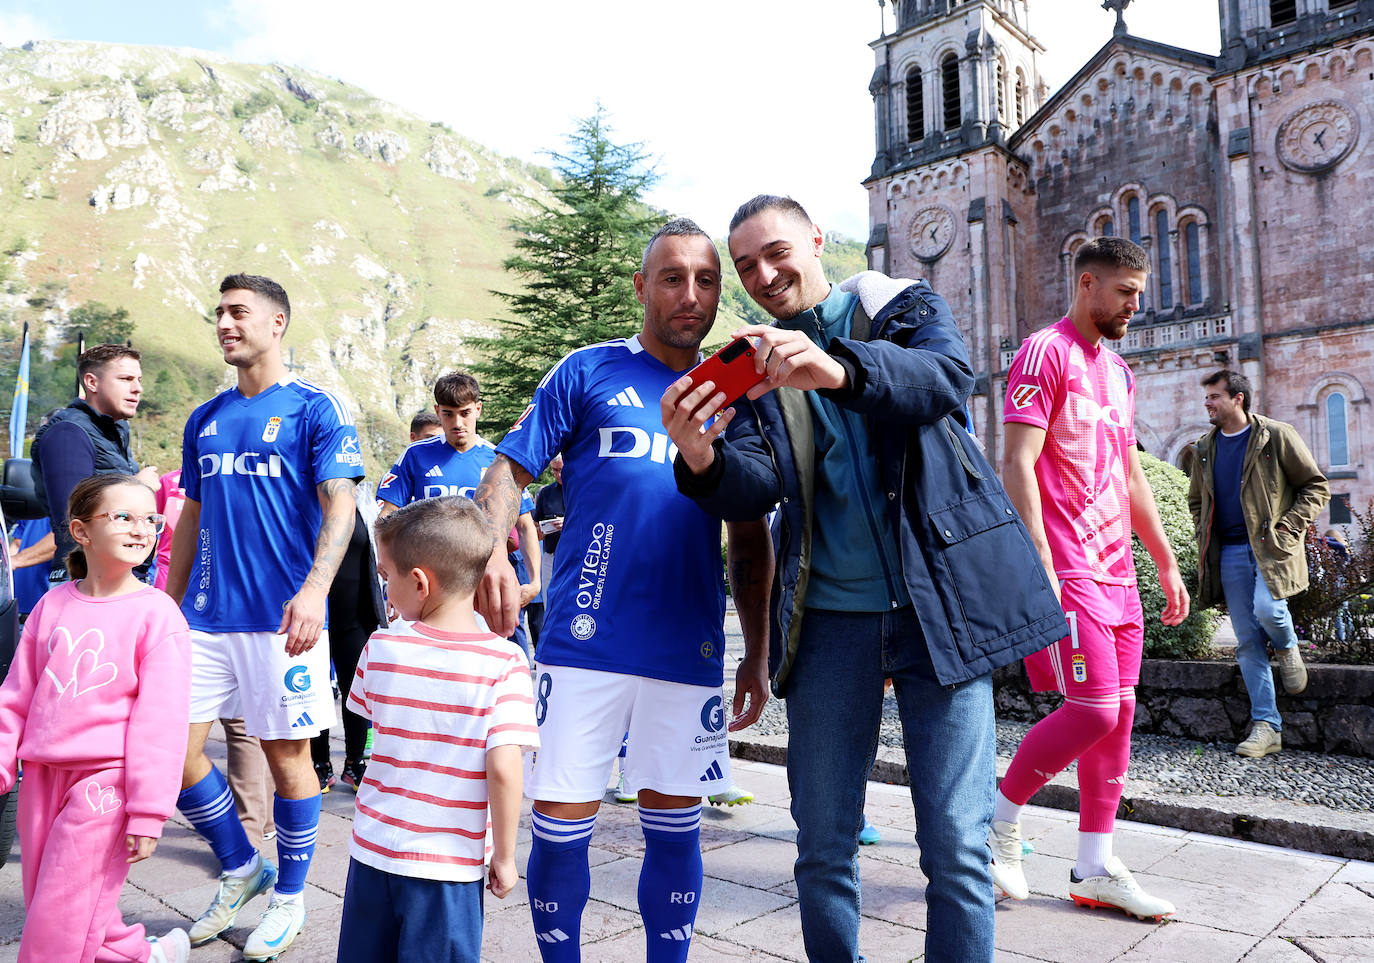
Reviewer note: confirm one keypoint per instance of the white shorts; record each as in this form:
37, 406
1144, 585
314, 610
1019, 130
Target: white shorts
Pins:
249, 675
678, 743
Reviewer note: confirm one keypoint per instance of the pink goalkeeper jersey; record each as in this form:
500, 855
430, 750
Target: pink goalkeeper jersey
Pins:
1084, 398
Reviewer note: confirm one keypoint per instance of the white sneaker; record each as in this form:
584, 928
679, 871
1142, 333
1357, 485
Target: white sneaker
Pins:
621, 796
175, 947
734, 796
234, 892
278, 930
1292, 671
1004, 839
1118, 890
1261, 741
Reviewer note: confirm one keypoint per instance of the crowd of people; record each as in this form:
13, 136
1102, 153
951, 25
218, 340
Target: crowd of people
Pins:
270, 563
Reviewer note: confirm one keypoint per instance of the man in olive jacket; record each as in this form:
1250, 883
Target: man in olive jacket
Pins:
1255, 489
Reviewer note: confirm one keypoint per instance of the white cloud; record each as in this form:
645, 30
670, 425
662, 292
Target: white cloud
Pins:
17, 29
733, 97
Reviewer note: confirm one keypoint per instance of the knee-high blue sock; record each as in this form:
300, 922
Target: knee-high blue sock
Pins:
670, 880
559, 882
210, 807
297, 820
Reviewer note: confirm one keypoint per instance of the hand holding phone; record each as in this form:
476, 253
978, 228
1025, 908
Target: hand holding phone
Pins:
731, 369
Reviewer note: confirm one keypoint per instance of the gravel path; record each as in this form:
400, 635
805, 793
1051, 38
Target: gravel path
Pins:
1180, 765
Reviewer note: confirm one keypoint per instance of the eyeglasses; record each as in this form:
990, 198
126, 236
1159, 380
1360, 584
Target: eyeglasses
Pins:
123, 521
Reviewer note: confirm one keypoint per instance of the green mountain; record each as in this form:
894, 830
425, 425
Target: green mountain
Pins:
138, 177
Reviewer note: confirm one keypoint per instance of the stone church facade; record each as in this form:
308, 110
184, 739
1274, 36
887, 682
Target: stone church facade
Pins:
1247, 176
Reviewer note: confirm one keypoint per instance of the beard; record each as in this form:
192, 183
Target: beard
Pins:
1110, 326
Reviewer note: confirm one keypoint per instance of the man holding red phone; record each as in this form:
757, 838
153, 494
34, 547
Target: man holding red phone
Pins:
887, 502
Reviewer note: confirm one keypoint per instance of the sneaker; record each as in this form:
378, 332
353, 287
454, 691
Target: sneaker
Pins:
367, 746
278, 930
352, 773
1261, 742
734, 796
621, 796
1118, 890
234, 892
868, 833
1291, 670
1004, 839
175, 947
325, 770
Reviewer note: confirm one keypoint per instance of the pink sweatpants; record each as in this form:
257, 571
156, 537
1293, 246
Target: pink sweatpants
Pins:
1096, 667
71, 837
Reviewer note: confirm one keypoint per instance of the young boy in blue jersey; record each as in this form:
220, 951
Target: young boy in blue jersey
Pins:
633, 633
452, 463
269, 468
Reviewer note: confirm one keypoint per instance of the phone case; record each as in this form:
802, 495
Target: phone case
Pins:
731, 368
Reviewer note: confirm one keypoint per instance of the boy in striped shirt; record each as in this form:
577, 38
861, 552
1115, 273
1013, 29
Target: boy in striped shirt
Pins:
452, 709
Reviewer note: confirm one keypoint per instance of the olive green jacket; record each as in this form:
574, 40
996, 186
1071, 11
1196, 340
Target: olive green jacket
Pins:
1280, 484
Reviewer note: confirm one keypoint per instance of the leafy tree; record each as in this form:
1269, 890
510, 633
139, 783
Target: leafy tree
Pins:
576, 260
99, 323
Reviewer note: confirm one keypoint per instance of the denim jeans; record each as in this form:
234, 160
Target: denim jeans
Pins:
1257, 618
834, 708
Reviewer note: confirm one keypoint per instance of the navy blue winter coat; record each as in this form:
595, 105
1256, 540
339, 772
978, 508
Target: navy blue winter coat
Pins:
978, 588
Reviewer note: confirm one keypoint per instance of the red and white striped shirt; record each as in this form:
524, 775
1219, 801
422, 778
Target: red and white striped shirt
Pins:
438, 701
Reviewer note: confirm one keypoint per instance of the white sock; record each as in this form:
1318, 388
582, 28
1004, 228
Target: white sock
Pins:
1094, 849
1006, 811
248, 868
288, 898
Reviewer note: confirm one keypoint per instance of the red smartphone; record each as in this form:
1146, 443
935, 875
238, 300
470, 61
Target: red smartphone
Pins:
731, 368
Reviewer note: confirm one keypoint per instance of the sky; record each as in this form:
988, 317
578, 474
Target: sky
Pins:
730, 98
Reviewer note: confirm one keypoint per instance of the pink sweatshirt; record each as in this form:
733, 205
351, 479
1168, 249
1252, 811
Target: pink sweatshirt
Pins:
96, 682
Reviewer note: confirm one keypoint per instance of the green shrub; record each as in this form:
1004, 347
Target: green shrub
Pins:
1339, 600
1193, 638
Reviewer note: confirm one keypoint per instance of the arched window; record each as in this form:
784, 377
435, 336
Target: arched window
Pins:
1337, 438
1282, 12
1020, 98
1105, 227
949, 81
1193, 251
915, 106
1001, 92
1133, 218
1166, 274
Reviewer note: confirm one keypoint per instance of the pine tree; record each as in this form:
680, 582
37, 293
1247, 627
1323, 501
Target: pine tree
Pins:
576, 260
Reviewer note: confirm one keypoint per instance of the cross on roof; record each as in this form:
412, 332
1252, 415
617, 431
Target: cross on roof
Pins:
1119, 30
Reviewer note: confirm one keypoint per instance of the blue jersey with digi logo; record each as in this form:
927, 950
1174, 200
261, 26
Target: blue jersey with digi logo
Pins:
638, 585
253, 464
432, 467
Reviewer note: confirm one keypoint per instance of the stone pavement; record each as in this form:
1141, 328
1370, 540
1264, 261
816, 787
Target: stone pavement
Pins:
1237, 900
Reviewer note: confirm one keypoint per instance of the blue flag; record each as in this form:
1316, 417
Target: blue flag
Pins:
19, 414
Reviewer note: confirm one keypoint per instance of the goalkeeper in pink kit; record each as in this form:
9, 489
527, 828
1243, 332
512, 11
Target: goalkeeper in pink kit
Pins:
1072, 469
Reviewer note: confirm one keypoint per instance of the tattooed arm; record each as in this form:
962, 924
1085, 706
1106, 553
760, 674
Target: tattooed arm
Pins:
303, 617
749, 561
498, 597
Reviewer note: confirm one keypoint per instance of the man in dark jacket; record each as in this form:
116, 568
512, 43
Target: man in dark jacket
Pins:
89, 437
899, 556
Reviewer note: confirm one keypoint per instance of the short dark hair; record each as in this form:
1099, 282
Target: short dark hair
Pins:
423, 420
446, 536
456, 390
258, 284
677, 227
1110, 252
768, 202
1235, 384
94, 359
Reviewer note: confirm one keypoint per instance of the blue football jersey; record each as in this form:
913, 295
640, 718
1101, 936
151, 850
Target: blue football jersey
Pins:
638, 586
432, 467
253, 464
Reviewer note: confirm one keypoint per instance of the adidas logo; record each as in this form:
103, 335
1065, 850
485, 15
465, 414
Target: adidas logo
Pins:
435, 472
1045, 775
713, 773
552, 936
1118, 780
626, 399
682, 934
211, 429
304, 720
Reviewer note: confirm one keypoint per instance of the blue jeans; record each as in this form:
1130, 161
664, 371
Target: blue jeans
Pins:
1257, 618
834, 708
389, 918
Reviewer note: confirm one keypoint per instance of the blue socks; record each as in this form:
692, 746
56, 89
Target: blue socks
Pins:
559, 882
298, 820
670, 880
210, 807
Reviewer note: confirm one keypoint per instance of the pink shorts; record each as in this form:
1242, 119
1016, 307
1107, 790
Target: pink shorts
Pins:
1101, 654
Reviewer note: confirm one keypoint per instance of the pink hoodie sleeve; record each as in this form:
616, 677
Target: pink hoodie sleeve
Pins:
155, 747
15, 696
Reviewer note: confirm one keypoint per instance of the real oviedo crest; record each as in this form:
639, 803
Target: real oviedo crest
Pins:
273, 427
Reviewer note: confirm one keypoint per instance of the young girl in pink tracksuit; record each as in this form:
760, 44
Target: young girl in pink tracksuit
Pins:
96, 706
